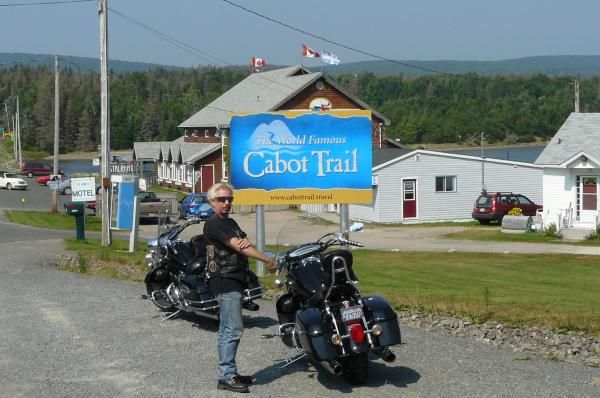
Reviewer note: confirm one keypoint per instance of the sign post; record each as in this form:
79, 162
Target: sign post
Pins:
301, 157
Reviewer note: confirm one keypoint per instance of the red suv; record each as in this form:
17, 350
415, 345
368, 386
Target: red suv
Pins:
493, 206
31, 168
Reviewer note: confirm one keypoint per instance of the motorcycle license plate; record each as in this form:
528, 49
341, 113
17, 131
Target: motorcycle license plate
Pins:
352, 313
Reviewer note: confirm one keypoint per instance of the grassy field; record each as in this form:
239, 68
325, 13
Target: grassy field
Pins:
44, 219
555, 290
485, 233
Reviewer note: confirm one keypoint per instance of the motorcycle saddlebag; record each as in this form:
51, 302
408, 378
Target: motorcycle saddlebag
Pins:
313, 335
379, 311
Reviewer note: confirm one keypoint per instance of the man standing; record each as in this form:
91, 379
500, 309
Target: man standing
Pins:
228, 251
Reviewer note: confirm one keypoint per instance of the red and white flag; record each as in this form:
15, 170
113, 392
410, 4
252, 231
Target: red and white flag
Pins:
258, 62
309, 52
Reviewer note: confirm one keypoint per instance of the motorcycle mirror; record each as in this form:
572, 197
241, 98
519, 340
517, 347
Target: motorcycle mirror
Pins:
356, 227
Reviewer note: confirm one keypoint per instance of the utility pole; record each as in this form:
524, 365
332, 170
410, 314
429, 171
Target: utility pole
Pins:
104, 122
576, 87
56, 123
14, 134
18, 124
483, 189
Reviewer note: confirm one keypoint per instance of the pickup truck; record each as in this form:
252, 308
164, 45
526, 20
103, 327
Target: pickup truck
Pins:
151, 205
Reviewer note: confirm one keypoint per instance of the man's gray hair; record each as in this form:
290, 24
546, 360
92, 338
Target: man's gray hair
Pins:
212, 191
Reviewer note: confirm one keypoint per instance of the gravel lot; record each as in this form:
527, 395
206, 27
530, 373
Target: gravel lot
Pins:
69, 335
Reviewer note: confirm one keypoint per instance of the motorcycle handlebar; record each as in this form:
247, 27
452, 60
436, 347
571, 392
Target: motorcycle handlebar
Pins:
350, 242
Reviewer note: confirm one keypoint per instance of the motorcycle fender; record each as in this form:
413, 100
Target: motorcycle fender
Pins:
379, 311
153, 275
313, 335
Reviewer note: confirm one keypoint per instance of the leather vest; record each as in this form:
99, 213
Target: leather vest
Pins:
223, 262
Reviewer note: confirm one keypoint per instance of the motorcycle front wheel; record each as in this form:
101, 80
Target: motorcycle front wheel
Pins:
156, 293
356, 368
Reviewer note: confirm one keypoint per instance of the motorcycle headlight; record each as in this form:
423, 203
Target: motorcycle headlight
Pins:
153, 243
149, 257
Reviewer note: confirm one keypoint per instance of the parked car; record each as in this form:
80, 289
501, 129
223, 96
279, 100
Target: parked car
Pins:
64, 186
195, 205
37, 168
151, 205
44, 180
11, 181
494, 206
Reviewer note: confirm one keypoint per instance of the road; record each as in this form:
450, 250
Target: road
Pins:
289, 227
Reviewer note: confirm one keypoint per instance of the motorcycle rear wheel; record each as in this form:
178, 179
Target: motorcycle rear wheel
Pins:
356, 368
160, 299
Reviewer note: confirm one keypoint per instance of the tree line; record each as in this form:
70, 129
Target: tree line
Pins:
149, 105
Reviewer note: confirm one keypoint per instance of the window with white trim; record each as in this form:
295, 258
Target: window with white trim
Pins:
445, 184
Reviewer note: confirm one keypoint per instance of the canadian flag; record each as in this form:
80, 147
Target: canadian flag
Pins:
309, 52
258, 62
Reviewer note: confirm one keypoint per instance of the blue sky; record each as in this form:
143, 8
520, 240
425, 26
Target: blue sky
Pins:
225, 35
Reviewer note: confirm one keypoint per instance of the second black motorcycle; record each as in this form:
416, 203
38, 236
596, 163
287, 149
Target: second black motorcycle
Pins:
323, 315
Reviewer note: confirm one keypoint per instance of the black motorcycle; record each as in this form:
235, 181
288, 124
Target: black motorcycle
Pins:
177, 280
323, 315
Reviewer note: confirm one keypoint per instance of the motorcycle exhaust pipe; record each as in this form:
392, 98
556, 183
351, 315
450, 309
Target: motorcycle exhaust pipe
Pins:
387, 355
333, 367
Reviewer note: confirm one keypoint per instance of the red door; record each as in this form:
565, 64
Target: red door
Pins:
207, 176
409, 198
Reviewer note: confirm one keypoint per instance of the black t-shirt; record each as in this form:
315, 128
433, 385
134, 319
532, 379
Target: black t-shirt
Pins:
219, 230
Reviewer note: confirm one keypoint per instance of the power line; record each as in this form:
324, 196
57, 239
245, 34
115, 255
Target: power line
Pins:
177, 43
192, 50
330, 41
40, 3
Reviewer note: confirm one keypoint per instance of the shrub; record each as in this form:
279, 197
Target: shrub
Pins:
515, 211
551, 230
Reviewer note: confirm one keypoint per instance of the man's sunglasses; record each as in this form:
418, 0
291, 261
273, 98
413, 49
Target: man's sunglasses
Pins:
223, 199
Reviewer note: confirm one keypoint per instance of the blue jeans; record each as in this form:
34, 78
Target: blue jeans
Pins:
231, 329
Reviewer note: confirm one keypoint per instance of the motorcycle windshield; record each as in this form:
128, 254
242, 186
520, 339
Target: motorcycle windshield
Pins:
309, 280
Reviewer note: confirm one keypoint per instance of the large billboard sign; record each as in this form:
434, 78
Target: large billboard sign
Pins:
301, 157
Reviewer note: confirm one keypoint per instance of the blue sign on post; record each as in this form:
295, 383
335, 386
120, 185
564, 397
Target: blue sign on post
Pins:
127, 192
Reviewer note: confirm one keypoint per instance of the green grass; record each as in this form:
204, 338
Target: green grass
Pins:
488, 234
557, 291
58, 220
108, 261
159, 189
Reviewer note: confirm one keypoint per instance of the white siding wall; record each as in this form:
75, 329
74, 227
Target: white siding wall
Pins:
558, 189
368, 212
438, 206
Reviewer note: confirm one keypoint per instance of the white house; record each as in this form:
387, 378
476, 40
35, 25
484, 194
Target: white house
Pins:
424, 186
571, 169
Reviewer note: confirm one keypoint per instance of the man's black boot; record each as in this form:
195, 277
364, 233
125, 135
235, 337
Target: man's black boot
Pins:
234, 384
250, 305
248, 380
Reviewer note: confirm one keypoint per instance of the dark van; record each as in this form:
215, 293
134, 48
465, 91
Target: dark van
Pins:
36, 168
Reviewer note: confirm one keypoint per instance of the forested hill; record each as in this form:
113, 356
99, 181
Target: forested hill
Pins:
559, 65
551, 65
148, 106
8, 60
